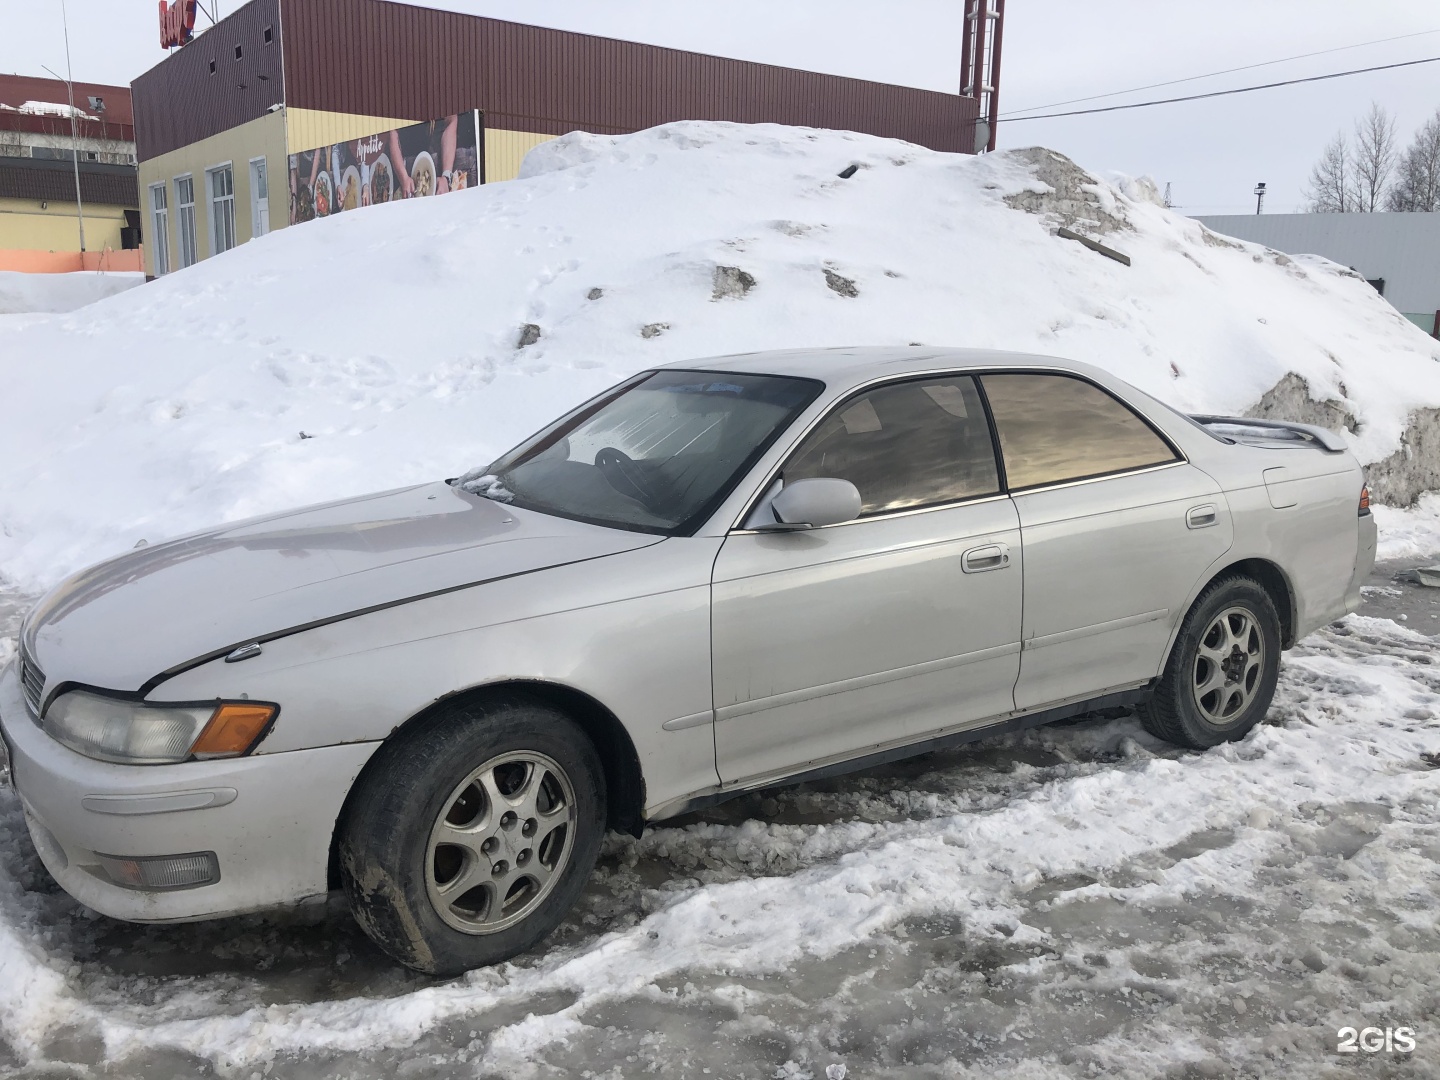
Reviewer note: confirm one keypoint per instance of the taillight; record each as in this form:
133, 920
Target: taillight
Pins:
1365, 500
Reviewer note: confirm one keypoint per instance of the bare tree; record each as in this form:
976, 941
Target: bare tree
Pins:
1330, 190
1374, 158
1417, 177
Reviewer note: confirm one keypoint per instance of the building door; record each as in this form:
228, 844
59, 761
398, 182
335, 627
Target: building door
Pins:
834, 642
259, 198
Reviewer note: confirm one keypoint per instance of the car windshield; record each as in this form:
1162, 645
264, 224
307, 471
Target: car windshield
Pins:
657, 454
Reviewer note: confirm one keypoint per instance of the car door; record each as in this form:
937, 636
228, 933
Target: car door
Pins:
1117, 529
832, 642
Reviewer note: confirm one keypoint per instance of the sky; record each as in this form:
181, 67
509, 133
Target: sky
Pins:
1212, 152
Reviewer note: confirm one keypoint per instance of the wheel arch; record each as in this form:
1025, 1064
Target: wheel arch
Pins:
1271, 577
624, 779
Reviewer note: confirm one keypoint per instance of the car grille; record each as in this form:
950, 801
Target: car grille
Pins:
32, 680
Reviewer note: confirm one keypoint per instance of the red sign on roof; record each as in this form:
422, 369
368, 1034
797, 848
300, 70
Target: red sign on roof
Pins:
177, 22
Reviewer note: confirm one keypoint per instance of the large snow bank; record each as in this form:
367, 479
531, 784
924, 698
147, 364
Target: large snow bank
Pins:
379, 348
55, 293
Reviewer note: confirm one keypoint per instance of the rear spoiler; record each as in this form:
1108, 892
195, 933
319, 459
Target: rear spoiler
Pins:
1243, 427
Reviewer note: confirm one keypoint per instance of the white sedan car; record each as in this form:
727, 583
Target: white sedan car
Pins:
712, 578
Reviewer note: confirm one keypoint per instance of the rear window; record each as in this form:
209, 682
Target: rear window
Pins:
1056, 428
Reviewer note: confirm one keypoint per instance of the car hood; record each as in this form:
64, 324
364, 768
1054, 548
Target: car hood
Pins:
127, 623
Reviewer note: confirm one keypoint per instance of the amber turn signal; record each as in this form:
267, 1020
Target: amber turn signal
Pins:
1365, 500
233, 730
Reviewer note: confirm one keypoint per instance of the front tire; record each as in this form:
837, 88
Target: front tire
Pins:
1220, 678
470, 835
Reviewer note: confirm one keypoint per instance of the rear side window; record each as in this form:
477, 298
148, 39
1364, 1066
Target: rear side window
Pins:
905, 446
1055, 428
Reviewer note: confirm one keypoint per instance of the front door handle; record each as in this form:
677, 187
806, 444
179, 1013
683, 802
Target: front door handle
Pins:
990, 557
1200, 517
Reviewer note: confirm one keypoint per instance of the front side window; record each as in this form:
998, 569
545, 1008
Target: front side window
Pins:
185, 207
160, 234
906, 445
1056, 428
222, 208
657, 454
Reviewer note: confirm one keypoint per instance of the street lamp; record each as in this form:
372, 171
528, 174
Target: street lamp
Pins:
74, 130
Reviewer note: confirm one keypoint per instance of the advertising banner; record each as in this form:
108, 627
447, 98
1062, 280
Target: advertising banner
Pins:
429, 158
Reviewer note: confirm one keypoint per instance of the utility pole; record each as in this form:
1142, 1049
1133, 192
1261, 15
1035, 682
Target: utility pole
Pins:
1259, 197
74, 128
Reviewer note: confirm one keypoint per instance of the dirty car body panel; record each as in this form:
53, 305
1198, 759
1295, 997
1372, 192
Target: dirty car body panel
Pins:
707, 659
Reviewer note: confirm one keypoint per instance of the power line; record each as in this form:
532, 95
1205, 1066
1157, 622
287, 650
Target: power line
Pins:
1221, 93
1213, 74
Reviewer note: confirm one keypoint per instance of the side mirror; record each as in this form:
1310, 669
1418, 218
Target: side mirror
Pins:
808, 504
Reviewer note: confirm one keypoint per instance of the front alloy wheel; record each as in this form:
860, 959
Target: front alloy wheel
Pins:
502, 842
472, 832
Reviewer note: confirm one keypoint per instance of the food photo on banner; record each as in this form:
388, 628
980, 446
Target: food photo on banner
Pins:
429, 158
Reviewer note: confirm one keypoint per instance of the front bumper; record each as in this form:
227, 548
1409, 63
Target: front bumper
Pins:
268, 818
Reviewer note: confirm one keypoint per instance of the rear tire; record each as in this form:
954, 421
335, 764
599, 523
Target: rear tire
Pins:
470, 835
1220, 678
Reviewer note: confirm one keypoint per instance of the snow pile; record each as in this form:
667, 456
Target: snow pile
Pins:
58, 293
420, 338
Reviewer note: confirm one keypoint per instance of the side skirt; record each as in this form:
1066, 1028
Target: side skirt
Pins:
1116, 700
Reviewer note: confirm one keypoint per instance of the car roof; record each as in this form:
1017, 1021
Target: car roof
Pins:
853, 365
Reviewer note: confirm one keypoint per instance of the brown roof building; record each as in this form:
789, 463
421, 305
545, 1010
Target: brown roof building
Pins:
292, 109
41, 149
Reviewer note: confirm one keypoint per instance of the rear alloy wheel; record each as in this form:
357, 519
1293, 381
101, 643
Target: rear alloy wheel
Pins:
471, 833
1221, 674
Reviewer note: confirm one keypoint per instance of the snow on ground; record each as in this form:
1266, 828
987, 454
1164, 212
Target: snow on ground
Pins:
1409, 534
58, 293
1077, 901
377, 349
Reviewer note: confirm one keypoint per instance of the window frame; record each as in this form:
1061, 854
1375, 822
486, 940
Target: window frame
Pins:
212, 207
762, 492
840, 405
1179, 454
160, 229
548, 435
181, 219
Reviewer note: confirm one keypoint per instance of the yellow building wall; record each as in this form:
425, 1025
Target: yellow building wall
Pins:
274, 137
27, 226
264, 137
309, 129
504, 150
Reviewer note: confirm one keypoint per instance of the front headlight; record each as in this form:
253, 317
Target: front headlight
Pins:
140, 733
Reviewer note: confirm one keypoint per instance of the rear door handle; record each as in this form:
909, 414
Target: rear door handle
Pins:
1200, 517
990, 557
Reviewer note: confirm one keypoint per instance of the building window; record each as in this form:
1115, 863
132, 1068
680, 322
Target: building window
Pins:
269, 35
259, 198
221, 190
212, 67
185, 204
160, 234
237, 52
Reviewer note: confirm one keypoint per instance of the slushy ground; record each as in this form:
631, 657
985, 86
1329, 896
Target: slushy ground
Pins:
1076, 901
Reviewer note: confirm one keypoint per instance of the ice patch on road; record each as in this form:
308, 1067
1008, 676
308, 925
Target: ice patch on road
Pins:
1083, 859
